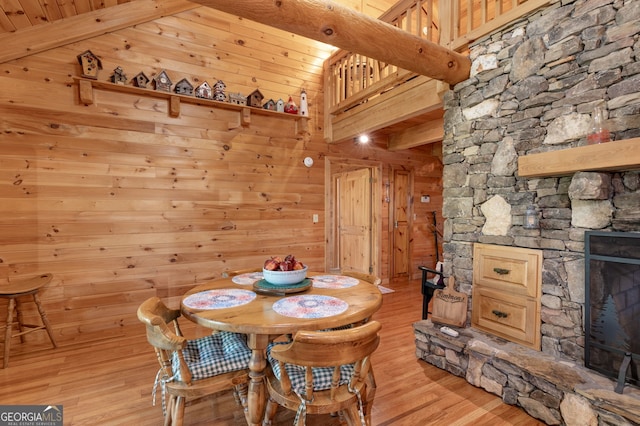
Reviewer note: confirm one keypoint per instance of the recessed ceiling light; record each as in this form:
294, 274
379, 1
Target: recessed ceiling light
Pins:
363, 139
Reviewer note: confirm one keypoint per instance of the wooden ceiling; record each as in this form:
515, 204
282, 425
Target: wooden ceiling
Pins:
17, 15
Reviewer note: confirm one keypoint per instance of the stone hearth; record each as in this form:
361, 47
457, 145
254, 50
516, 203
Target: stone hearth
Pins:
554, 391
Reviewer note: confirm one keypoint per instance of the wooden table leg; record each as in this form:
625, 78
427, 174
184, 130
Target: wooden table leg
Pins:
257, 397
7, 335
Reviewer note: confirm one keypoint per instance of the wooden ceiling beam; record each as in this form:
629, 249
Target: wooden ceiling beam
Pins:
428, 132
80, 27
339, 26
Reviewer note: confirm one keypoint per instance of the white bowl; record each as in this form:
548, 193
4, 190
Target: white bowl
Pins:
285, 277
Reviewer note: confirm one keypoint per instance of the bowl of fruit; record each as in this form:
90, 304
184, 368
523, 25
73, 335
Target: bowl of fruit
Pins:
287, 271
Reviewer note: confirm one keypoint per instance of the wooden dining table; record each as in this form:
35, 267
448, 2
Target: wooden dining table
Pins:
329, 301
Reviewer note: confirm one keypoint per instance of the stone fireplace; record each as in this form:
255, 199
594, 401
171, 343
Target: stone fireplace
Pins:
533, 89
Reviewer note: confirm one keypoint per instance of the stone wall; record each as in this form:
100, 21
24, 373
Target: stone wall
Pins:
533, 88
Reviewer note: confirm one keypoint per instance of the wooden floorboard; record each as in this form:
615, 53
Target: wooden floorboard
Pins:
110, 382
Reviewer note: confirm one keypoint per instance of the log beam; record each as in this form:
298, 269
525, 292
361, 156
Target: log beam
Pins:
339, 26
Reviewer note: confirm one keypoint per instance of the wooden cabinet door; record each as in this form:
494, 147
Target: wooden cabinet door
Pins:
401, 222
354, 220
507, 287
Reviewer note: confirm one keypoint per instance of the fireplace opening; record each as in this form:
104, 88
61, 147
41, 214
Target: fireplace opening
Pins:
612, 302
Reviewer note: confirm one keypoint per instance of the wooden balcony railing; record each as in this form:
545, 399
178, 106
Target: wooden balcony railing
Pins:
351, 79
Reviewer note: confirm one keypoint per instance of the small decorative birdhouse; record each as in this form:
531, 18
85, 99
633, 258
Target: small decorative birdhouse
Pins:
162, 81
118, 76
304, 105
280, 105
141, 80
204, 91
183, 87
237, 99
255, 99
270, 105
290, 107
90, 64
219, 86
218, 91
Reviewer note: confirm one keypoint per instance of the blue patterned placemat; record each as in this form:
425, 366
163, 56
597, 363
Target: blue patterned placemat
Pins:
219, 299
310, 306
247, 278
334, 281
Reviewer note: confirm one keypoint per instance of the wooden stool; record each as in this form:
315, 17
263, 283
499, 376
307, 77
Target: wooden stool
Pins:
13, 291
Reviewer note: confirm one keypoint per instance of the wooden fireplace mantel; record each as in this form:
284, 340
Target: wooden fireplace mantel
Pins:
610, 156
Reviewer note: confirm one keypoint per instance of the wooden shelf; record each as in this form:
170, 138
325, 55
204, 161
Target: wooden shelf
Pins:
86, 86
610, 156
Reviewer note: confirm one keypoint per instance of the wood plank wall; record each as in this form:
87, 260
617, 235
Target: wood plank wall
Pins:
120, 201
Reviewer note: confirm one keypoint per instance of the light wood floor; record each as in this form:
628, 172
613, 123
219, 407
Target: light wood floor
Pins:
110, 383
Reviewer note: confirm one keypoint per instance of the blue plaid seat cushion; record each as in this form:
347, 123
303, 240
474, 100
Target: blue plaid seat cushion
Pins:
216, 354
321, 375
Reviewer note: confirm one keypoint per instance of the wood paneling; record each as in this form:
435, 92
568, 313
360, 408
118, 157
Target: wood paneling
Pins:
121, 201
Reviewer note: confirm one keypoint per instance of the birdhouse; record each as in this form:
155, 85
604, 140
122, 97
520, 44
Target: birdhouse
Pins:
270, 105
255, 99
304, 105
219, 86
90, 64
118, 76
140, 80
204, 91
237, 99
280, 105
218, 91
162, 81
183, 87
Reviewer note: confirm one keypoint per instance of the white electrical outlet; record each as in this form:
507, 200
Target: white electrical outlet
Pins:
315, 218
425, 199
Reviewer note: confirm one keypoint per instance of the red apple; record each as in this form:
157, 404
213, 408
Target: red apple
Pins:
271, 265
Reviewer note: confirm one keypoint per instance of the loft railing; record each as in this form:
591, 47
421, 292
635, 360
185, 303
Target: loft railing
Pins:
351, 79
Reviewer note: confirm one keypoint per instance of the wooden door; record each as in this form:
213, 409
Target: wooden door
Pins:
401, 223
354, 220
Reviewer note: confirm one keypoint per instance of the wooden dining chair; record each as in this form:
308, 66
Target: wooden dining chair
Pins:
13, 291
191, 370
321, 372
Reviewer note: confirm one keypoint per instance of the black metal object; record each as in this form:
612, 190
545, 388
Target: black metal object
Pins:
612, 276
622, 373
429, 287
435, 237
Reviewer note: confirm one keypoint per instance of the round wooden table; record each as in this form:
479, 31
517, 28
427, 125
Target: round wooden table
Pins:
258, 320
